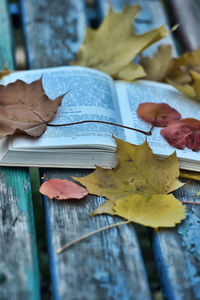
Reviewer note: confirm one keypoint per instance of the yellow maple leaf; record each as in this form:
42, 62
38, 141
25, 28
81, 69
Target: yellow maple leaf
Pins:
151, 210
138, 172
112, 47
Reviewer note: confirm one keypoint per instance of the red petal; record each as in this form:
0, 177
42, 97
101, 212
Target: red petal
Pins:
62, 189
157, 114
183, 133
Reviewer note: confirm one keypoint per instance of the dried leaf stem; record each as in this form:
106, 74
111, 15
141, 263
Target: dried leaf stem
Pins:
190, 202
88, 235
101, 122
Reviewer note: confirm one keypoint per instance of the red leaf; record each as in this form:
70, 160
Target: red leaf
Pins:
183, 133
157, 114
62, 189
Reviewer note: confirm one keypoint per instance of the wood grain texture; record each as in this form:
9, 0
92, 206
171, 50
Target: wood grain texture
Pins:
19, 275
152, 15
50, 31
6, 54
177, 251
187, 14
105, 266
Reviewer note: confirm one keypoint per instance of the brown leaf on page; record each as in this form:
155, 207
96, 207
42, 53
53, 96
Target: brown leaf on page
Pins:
157, 114
62, 189
25, 108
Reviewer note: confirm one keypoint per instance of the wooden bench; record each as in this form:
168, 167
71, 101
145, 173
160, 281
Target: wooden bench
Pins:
108, 265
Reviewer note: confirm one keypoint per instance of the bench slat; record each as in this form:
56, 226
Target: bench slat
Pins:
6, 55
177, 251
52, 30
106, 266
19, 275
187, 13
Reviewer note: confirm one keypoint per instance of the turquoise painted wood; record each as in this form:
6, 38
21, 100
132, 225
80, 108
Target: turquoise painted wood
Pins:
19, 275
6, 47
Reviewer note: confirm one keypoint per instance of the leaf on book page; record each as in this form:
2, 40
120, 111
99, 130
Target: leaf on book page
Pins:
191, 89
157, 67
4, 72
112, 47
157, 114
150, 210
138, 172
25, 108
181, 67
190, 174
183, 133
62, 189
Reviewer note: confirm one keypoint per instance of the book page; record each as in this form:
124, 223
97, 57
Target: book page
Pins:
130, 95
90, 95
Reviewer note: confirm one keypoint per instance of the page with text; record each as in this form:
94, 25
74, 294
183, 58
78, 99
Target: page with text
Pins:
130, 95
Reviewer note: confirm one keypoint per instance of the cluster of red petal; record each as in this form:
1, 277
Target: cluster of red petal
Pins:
179, 133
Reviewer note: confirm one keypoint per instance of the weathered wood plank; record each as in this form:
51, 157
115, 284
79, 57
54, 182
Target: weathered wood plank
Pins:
177, 251
6, 55
53, 31
187, 14
105, 266
19, 276
152, 15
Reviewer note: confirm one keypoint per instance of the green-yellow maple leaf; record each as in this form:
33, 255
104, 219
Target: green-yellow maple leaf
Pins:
150, 210
138, 172
112, 47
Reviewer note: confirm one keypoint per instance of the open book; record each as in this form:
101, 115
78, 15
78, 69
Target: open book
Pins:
93, 95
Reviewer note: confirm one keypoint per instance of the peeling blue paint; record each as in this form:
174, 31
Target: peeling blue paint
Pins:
190, 230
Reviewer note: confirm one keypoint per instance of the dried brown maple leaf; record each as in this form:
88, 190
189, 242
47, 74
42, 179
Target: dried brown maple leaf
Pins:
25, 108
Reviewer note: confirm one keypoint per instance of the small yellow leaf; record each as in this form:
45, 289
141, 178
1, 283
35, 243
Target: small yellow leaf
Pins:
190, 175
151, 210
181, 67
112, 47
4, 72
192, 90
138, 171
157, 67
